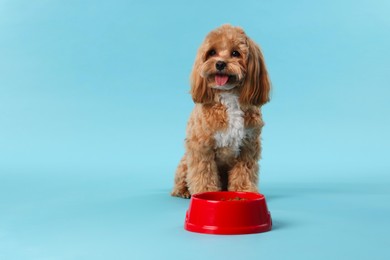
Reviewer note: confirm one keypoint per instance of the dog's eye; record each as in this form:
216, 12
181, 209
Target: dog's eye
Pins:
235, 54
211, 53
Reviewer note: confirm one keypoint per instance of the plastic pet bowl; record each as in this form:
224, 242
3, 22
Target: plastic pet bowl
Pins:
228, 213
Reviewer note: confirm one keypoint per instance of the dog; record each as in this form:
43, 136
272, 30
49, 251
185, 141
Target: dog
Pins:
229, 84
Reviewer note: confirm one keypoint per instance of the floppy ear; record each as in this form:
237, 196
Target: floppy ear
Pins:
199, 90
256, 87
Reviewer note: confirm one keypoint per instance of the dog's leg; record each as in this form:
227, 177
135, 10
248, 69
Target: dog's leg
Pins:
180, 189
243, 177
202, 172
244, 174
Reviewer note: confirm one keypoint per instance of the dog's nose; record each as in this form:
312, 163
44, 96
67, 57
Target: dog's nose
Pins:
220, 65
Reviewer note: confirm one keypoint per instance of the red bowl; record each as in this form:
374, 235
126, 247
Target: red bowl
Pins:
228, 213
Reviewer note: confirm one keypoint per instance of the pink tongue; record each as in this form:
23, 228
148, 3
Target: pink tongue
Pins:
221, 79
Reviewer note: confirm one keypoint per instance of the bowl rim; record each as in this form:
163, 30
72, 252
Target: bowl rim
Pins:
216, 196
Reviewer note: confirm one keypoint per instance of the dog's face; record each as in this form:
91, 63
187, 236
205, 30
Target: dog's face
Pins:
227, 60
224, 54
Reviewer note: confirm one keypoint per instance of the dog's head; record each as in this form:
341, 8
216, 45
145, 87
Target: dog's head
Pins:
228, 59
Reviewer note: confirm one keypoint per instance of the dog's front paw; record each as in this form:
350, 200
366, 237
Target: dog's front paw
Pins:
181, 193
201, 189
250, 188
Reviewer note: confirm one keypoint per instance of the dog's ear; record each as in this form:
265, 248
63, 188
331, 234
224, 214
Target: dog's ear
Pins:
200, 92
257, 86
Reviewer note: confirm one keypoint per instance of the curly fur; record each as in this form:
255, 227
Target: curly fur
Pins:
223, 133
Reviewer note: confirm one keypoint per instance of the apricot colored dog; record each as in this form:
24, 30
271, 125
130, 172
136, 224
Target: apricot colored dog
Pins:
229, 84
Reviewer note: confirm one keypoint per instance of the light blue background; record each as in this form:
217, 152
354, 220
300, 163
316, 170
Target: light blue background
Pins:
93, 106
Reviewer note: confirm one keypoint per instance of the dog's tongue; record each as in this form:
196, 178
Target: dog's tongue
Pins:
221, 79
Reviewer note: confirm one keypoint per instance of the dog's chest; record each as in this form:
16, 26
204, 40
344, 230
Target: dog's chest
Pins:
235, 132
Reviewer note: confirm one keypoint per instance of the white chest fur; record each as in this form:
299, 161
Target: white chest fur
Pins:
234, 134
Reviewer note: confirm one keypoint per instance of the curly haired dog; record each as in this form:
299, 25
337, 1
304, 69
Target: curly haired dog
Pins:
229, 84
